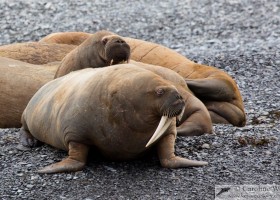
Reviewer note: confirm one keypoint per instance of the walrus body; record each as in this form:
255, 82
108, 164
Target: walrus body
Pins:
36, 53
19, 82
215, 88
116, 109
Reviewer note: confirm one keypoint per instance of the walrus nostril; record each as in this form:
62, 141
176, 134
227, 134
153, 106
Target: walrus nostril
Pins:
178, 96
120, 41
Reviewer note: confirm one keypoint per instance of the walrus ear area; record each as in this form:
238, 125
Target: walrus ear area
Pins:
104, 40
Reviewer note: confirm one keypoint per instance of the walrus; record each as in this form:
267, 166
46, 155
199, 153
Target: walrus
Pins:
121, 110
104, 49
214, 87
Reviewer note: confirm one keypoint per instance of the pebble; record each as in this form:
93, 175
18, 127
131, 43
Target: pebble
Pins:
268, 153
29, 186
69, 177
205, 146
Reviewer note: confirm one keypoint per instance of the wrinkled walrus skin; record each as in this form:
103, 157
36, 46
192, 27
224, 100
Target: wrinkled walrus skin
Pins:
116, 109
214, 87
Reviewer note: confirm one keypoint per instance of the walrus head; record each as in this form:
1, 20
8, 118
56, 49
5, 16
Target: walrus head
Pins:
172, 106
116, 50
101, 49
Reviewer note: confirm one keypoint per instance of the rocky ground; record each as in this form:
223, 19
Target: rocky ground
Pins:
239, 37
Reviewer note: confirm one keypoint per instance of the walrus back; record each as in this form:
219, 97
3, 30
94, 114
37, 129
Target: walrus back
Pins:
19, 81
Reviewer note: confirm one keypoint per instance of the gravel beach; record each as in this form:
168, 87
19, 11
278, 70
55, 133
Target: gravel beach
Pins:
239, 37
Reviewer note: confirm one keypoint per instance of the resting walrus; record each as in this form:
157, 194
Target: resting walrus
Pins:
104, 49
215, 88
121, 110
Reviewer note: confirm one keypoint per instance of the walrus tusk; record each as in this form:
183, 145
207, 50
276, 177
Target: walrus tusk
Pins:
179, 117
163, 125
111, 62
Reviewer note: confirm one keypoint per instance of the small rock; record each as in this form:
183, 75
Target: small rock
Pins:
268, 153
20, 174
34, 177
22, 148
205, 146
29, 186
69, 177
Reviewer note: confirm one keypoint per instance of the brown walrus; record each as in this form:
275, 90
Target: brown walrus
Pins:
215, 88
121, 110
102, 50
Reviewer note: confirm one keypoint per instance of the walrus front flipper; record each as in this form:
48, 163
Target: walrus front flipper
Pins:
222, 100
165, 148
74, 162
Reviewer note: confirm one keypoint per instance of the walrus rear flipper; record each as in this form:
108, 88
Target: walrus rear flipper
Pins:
220, 99
74, 162
214, 89
225, 112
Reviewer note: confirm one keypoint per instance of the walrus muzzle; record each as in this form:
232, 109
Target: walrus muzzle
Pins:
173, 110
117, 51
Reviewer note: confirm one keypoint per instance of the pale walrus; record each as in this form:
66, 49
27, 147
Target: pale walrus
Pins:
215, 88
121, 110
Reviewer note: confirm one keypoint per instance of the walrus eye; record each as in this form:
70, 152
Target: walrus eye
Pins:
160, 92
